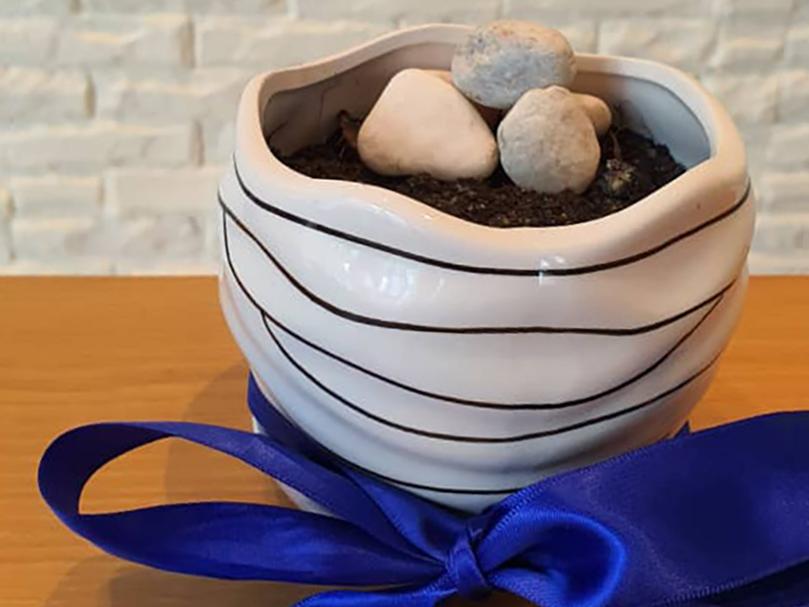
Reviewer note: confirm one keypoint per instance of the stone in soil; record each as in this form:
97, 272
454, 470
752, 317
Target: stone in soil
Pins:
423, 124
597, 110
548, 143
500, 61
632, 167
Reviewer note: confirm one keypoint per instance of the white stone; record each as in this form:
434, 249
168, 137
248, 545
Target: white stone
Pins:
421, 124
134, 192
75, 148
498, 62
489, 114
548, 143
750, 98
109, 40
47, 239
52, 196
680, 42
34, 95
597, 111
445, 75
26, 41
274, 42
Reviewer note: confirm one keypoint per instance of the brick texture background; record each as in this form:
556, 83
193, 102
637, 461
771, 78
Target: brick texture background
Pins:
116, 115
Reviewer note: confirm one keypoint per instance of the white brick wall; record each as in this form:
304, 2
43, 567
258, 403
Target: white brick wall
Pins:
116, 115
56, 196
32, 95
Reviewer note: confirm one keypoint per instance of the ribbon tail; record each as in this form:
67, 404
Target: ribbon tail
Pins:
248, 542
705, 519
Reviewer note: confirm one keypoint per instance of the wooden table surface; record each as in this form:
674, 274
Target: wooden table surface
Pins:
80, 350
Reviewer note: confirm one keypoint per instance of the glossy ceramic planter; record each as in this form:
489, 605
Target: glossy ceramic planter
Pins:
462, 361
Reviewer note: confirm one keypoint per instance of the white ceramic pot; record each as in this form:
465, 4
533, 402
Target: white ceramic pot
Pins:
461, 361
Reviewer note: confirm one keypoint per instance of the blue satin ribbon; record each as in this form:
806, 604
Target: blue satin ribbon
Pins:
718, 517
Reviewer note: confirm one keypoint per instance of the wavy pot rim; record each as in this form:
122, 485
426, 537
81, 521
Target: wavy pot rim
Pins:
523, 249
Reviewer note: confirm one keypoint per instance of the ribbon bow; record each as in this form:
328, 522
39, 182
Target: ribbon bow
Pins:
719, 517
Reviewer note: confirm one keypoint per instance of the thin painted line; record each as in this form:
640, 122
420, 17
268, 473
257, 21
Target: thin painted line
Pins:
458, 267
503, 406
484, 330
452, 437
390, 479
479, 439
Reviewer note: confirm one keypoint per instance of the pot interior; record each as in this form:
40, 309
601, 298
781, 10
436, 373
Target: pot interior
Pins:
296, 117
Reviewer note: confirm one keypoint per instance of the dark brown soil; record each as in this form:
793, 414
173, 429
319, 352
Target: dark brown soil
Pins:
632, 167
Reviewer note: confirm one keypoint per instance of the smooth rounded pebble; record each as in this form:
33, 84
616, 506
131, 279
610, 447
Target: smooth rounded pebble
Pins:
422, 124
489, 114
598, 111
547, 142
500, 61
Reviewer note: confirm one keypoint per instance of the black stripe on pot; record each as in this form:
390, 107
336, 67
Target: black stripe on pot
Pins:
398, 481
479, 439
480, 404
414, 485
459, 267
268, 317
445, 490
454, 490
440, 435
485, 330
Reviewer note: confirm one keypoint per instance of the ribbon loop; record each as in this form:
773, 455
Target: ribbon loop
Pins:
463, 568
